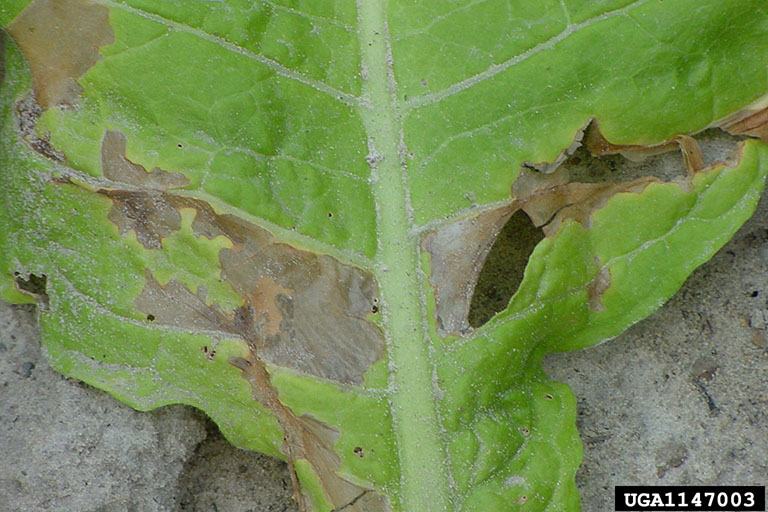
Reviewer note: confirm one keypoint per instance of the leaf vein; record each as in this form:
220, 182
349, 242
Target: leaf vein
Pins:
427, 99
307, 16
276, 67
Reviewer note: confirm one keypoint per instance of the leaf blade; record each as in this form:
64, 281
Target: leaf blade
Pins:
291, 140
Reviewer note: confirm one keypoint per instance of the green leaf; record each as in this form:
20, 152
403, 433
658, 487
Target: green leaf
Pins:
277, 212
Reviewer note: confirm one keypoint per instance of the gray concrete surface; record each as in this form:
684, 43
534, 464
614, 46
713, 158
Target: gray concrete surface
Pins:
680, 398
67, 447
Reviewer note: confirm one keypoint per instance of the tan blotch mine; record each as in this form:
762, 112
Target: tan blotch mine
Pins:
61, 39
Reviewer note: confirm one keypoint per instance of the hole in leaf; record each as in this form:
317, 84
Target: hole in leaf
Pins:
715, 144
630, 169
34, 285
503, 268
209, 353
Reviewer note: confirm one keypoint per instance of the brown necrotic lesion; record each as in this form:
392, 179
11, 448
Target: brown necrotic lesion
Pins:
457, 251
300, 310
60, 40
116, 166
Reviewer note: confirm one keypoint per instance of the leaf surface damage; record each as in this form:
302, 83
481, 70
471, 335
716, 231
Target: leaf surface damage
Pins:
299, 309
61, 41
279, 214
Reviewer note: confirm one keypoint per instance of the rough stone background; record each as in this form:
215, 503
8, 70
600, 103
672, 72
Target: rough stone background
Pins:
680, 398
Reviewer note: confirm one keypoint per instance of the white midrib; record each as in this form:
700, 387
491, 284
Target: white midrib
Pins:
424, 472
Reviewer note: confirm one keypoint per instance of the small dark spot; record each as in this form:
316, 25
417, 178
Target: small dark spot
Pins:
209, 353
359, 452
424, 82
549, 397
150, 317
754, 293
179, 145
330, 215
374, 309
525, 431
